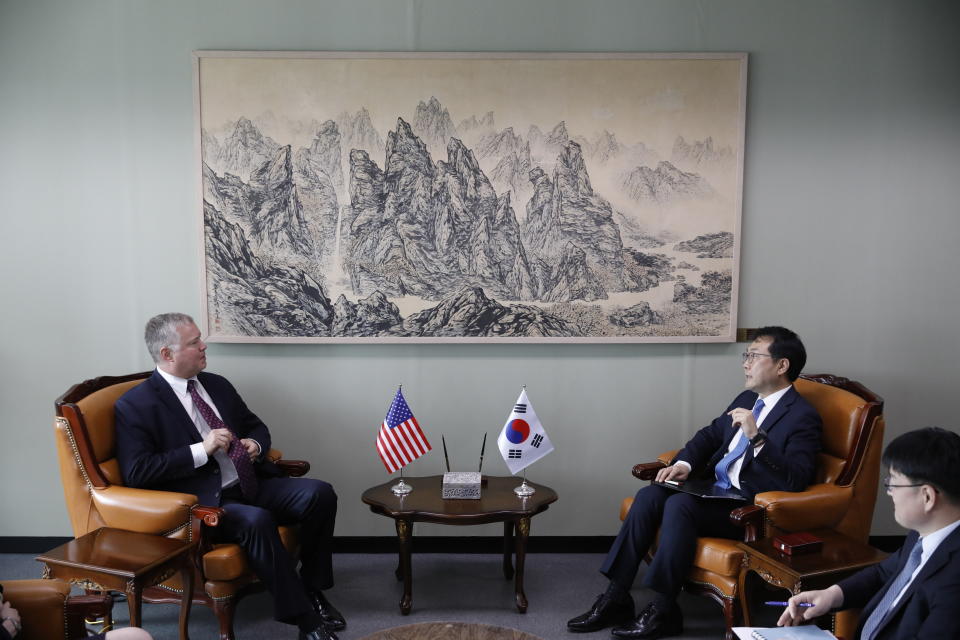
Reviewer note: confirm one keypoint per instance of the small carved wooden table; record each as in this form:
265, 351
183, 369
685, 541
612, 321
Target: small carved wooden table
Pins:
117, 560
840, 557
497, 503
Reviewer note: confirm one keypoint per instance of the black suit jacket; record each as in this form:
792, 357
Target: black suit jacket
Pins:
928, 609
154, 434
788, 459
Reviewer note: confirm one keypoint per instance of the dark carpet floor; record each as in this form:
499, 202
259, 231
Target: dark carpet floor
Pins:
446, 587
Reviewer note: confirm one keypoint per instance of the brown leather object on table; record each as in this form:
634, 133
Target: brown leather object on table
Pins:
842, 497
95, 497
797, 543
48, 612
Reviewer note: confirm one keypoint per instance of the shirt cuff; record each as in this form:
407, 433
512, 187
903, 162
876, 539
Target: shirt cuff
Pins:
259, 448
199, 454
684, 463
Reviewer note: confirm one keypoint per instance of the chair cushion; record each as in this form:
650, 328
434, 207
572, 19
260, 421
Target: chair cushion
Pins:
625, 508
224, 562
229, 562
723, 585
718, 555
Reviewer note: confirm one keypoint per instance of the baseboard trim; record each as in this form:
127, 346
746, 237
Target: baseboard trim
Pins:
423, 544
473, 544
887, 543
31, 544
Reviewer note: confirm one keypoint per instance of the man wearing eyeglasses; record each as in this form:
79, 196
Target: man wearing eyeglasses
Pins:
766, 440
914, 593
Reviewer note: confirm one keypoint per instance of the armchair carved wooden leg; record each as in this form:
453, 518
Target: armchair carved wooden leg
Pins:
225, 610
731, 616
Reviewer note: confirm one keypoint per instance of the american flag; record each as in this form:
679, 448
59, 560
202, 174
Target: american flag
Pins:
400, 441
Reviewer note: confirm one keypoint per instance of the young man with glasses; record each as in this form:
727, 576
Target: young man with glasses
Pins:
914, 593
766, 440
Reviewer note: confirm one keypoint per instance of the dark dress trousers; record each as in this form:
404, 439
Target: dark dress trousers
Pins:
786, 462
927, 609
154, 434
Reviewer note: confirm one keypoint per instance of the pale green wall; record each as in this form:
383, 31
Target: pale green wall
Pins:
850, 227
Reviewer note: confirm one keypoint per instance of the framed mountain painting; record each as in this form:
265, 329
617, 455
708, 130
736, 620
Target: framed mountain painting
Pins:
480, 197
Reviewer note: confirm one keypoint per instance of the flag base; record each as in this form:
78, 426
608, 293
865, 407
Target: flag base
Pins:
401, 488
524, 490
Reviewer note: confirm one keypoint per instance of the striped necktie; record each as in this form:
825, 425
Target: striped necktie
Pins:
723, 467
872, 625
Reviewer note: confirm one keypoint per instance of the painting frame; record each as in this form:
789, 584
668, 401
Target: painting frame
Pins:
233, 238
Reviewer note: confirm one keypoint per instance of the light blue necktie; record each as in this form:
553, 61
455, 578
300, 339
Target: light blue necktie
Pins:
872, 625
723, 480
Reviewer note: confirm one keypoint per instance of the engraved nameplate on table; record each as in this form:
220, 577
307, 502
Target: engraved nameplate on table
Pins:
461, 485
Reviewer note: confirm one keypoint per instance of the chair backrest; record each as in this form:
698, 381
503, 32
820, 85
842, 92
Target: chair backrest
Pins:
86, 444
852, 443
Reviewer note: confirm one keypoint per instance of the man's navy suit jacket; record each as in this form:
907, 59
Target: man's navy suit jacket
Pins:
154, 434
787, 461
928, 608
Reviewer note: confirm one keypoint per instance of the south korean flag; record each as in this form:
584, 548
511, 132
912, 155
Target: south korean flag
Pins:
523, 440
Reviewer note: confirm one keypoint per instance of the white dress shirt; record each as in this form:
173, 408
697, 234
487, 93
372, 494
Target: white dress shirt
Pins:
733, 471
228, 472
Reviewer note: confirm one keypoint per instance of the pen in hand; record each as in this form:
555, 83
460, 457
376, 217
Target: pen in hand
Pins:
777, 603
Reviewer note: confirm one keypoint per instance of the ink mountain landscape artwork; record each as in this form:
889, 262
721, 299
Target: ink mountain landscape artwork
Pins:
450, 225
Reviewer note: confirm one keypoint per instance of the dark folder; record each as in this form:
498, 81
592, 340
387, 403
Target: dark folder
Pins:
704, 488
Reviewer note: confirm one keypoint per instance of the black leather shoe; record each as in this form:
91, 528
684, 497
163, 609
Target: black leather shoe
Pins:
320, 633
605, 612
653, 622
329, 615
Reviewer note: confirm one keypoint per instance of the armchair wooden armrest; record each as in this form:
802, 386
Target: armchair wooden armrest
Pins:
293, 468
750, 517
143, 510
819, 506
203, 515
648, 470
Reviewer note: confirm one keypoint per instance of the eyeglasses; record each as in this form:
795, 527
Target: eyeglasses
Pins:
887, 485
750, 356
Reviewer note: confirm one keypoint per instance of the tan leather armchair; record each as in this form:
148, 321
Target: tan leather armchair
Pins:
95, 497
842, 496
48, 612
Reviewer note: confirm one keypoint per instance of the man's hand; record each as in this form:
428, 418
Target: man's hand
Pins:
217, 439
252, 447
743, 418
11, 619
675, 472
823, 602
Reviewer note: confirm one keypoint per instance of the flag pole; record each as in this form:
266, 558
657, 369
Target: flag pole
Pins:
401, 488
524, 490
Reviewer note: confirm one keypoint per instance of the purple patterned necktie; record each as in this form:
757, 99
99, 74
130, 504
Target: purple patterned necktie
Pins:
237, 452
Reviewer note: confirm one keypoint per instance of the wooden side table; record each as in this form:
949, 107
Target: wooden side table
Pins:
840, 557
117, 560
497, 503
